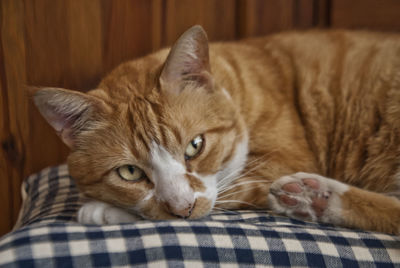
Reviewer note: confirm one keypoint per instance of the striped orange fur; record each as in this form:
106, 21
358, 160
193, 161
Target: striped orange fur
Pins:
321, 102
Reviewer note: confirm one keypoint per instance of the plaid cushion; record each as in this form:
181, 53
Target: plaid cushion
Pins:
48, 235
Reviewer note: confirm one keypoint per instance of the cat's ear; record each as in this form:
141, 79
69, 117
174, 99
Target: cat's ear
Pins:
188, 61
67, 111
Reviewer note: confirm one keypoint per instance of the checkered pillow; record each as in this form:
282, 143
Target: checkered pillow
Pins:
47, 235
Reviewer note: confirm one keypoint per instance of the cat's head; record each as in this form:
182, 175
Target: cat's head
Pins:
159, 136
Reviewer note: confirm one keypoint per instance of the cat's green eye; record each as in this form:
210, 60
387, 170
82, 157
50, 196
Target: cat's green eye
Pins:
130, 173
194, 147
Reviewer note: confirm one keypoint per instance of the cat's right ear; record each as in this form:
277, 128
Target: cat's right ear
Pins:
188, 61
67, 111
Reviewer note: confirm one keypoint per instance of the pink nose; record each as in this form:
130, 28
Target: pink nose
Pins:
183, 213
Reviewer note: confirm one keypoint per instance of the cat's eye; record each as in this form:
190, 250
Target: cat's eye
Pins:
194, 147
130, 173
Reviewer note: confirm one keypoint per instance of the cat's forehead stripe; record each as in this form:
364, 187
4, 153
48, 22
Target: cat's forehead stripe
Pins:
147, 121
153, 115
142, 138
140, 123
176, 133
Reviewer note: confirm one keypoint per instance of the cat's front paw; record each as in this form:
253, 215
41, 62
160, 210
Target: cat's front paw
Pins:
101, 213
308, 197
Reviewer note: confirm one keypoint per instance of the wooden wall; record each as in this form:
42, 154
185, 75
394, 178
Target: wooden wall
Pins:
73, 43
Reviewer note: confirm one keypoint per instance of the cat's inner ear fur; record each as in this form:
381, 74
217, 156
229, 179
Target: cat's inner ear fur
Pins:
67, 111
188, 61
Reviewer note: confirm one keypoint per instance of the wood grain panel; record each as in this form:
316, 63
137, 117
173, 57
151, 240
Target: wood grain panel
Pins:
131, 29
85, 43
366, 14
260, 17
303, 13
216, 16
15, 106
5, 178
321, 13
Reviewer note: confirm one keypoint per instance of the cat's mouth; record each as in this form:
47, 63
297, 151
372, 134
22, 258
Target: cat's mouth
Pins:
154, 210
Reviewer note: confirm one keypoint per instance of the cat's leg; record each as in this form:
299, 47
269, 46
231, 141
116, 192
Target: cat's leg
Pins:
96, 212
317, 198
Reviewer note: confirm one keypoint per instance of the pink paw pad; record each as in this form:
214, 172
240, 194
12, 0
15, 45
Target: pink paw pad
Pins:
312, 183
319, 204
287, 200
292, 187
294, 194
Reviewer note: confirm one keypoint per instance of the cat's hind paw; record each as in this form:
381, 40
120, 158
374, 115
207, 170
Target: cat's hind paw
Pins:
308, 197
101, 213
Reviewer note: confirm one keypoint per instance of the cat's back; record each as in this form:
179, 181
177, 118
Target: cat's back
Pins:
347, 92
343, 87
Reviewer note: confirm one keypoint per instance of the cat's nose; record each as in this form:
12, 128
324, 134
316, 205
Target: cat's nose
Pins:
183, 213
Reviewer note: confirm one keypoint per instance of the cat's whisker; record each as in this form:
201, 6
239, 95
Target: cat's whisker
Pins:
248, 171
237, 201
225, 182
259, 159
224, 210
257, 162
245, 176
228, 176
262, 157
233, 193
227, 193
239, 181
231, 186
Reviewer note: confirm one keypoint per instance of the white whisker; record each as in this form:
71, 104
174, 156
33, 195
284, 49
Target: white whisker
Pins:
236, 201
224, 185
244, 175
224, 210
259, 159
231, 186
228, 177
256, 162
233, 193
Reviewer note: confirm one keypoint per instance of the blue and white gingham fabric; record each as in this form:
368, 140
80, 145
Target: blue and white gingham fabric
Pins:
48, 235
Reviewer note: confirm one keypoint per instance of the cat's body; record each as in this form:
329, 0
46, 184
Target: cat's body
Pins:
233, 131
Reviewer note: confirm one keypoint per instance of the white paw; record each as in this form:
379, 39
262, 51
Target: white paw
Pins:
96, 212
308, 197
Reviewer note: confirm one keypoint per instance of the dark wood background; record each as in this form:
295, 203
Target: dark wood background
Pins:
73, 43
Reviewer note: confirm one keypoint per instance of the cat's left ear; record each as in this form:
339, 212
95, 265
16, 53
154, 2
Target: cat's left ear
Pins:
68, 112
188, 61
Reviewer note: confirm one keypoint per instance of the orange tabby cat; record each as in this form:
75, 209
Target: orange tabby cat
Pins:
182, 132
